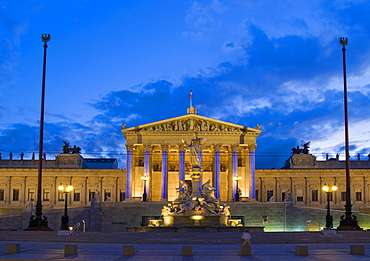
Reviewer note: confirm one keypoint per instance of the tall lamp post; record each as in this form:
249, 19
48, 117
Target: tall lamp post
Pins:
237, 195
329, 218
65, 218
145, 194
38, 222
348, 221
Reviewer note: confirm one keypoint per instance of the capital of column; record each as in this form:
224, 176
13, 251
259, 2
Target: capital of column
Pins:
235, 147
181, 146
217, 147
252, 147
147, 146
164, 146
129, 147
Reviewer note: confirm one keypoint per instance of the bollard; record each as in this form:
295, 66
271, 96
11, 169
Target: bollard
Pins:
70, 250
301, 250
13, 248
245, 251
128, 250
187, 250
357, 250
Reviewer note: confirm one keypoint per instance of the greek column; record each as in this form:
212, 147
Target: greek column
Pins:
217, 148
164, 192
182, 162
252, 164
146, 171
234, 151
129, 148
365, 191
8, 190
24, 190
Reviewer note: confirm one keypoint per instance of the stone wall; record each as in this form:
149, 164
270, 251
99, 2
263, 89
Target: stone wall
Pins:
117, 216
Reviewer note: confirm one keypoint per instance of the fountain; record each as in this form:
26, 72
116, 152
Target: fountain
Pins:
198, 207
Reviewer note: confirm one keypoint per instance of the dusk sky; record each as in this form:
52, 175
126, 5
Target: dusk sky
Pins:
273, 63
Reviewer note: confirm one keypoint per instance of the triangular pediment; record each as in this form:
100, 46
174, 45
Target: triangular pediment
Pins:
190, 123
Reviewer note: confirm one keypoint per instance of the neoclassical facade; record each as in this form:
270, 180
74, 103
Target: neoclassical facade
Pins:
158, 157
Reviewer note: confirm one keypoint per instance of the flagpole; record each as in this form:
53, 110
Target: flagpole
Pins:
191, 98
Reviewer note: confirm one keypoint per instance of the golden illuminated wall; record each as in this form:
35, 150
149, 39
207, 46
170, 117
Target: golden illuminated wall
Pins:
18, 186
305, 185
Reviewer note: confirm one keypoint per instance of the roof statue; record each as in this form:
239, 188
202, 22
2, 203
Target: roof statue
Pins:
67, 149
304, 150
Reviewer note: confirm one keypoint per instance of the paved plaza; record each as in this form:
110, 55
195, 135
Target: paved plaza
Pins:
163, 252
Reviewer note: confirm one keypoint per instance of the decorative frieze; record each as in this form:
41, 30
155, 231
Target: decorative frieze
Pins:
191, 125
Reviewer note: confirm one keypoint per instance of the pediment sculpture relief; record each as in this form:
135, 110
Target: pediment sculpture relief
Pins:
191, 125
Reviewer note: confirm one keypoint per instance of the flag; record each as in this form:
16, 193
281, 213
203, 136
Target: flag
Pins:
191, 94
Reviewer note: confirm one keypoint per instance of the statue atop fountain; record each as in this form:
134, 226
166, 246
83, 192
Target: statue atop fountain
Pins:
198, 207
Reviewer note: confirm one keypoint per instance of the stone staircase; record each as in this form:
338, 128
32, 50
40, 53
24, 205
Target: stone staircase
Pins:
189, 237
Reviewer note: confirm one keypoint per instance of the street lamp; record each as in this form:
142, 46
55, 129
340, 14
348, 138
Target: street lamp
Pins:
348, 221
65, 217
145, 179
329, 218
38, 222
236, 194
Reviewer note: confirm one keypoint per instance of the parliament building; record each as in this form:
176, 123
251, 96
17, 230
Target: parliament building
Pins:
158, 160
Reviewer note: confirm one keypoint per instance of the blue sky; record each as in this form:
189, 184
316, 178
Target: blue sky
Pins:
273, 63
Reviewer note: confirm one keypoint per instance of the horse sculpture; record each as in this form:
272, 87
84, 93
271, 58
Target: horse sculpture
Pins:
67, 149
304, 150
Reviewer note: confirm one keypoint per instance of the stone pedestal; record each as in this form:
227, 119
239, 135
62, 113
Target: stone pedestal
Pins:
245, 251
70, 250
13, 248
195, 183
301, 250
69, 161
357, 250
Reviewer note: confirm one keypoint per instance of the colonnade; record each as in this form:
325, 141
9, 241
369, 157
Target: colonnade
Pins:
152, 167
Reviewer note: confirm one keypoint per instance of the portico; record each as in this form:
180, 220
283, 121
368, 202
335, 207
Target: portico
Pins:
156, 153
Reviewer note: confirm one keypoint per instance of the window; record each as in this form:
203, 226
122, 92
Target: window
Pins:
107, 195
315, 195
122, 195
358, 196
46, 195
1, 195
299, 194
15, 194
270, 194
31, 194
77, 195
91, 195
256, 194
60, 196
343, 196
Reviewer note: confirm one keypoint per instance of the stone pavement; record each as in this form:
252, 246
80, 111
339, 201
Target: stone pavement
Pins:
163, 252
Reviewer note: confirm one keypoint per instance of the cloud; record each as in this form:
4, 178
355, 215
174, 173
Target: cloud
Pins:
277, 64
